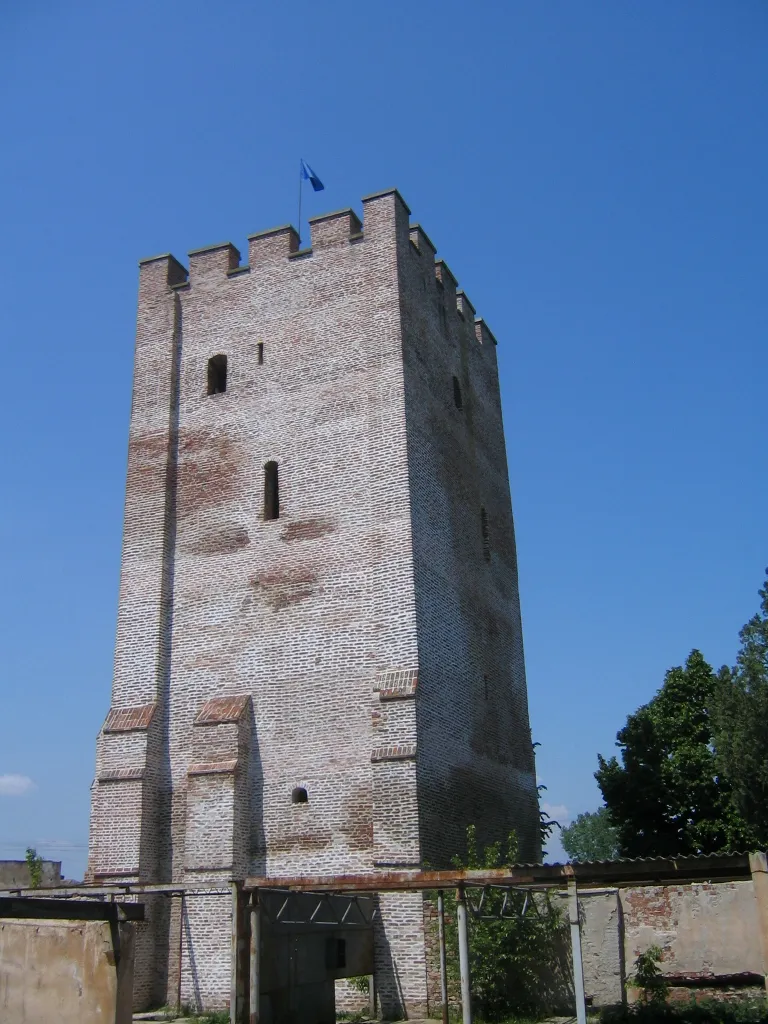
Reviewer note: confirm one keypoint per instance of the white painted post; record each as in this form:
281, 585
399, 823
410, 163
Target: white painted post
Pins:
758, 866
578, 969
466, 988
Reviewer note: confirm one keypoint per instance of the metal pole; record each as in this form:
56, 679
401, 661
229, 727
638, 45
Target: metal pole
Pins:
371, 996
578, 969
233, 966
461, 917
254, 973
758, 868
181, 950
300, 184
443, 970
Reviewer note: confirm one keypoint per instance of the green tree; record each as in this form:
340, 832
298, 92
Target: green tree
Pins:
35, 866
667, 796
591, 836
547, 823
740, 721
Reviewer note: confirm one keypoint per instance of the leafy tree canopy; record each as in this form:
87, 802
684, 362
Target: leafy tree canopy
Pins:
740, 720
667, 796
591, 836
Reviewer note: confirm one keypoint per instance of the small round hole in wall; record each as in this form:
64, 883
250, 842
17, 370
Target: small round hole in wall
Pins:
299, 796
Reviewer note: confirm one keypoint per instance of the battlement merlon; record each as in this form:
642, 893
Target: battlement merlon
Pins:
213, 261
483, 333
423, 244
159, 273
337, 228
447, 280
464, 306
272, 245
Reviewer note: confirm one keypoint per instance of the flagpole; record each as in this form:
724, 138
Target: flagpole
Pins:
299, 203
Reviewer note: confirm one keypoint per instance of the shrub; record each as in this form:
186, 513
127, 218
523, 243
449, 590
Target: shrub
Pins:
508, 956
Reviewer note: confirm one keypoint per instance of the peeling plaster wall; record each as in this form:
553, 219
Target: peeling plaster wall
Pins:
706, 931
601, 948
703, 929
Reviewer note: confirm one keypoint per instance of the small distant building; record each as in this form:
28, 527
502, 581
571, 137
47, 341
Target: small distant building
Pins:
15, 874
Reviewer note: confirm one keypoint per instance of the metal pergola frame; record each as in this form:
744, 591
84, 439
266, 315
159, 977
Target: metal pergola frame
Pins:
527, 877
566, 878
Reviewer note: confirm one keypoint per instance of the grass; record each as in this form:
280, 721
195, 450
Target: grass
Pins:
745, 1011
210, 1017
710, 1011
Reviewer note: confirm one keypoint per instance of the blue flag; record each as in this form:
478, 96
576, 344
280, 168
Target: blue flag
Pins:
309, 175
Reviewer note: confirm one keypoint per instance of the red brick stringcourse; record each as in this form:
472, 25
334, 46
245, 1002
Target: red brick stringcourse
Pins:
130, 719
222, 709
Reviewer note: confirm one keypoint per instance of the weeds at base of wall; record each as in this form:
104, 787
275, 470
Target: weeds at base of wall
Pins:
171, 1013
454, 1017
711, 1011
217, 1017
649, 979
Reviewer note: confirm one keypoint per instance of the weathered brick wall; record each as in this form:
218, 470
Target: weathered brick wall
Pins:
432, 957
370, 639
206, 946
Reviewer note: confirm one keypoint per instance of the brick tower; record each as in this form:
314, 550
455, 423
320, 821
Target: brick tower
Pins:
319, 662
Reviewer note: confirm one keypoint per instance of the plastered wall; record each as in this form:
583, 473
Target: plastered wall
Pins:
708, 933
65, 971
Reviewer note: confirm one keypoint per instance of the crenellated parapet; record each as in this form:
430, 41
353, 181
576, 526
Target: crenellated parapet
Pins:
382, 211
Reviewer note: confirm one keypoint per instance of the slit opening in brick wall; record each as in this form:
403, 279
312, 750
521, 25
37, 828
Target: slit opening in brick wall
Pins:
299, 795
485, 534
217, 375
271, 492
457, 393
443, 318
260, 353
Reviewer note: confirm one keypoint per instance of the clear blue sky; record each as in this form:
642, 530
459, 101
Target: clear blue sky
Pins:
595, 175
